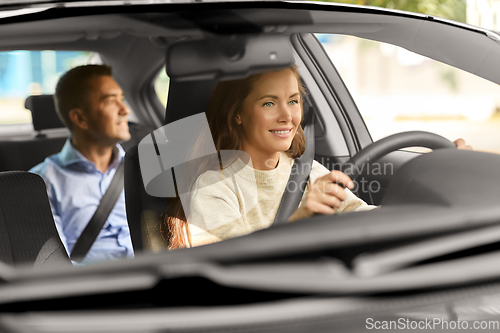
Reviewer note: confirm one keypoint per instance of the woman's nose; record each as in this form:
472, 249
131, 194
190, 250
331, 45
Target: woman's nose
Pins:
285, 114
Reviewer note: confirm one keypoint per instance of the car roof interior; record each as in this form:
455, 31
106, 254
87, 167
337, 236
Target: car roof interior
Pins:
143, 37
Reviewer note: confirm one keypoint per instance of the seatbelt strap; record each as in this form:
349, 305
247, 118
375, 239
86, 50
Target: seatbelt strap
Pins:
108, 201
299, 176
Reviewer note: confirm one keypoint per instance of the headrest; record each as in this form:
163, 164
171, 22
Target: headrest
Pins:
43, 112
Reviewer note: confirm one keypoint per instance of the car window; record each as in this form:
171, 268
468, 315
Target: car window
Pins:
24, 73
161, 86
397, 90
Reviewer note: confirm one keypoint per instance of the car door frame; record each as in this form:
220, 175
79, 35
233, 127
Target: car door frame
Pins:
336, 99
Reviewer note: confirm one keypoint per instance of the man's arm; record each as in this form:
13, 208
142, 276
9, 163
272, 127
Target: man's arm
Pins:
41, 170
57, 219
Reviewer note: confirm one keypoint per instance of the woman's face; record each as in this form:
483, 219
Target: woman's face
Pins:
271, 114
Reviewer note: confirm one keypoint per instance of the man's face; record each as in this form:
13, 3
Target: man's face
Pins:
107, 116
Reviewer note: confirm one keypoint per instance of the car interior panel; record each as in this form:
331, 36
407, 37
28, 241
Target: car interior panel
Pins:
431, 242
143, 210
327, 82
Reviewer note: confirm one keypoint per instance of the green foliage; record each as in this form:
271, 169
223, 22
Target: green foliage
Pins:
449, 9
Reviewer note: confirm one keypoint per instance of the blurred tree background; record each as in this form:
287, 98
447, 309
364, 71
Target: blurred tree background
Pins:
449, 9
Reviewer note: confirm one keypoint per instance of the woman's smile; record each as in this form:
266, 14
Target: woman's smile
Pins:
282, 132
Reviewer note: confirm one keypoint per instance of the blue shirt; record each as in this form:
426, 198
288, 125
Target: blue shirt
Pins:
75, 187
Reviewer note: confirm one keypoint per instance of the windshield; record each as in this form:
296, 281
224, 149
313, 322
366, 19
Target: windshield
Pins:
264, 152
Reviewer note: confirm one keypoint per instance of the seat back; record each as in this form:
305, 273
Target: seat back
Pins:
191, 86
28, 235
25, 154
143, 211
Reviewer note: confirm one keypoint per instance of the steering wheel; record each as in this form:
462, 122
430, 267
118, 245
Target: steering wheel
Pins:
391, 143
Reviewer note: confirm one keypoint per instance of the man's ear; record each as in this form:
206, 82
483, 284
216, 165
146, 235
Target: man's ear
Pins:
78, 118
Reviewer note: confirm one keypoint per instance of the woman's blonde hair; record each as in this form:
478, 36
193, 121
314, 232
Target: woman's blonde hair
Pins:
225, 104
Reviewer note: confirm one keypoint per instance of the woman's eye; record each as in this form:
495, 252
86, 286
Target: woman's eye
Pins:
293, 102
268, 104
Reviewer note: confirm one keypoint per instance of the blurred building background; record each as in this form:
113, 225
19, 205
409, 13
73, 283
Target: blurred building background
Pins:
483, 13
24, 73
397, 90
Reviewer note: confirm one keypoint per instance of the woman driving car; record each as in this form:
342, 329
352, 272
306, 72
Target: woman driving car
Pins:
261, 116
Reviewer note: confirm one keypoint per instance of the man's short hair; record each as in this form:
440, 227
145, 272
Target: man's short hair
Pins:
73, 89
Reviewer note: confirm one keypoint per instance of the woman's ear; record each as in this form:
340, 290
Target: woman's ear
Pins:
238, 119
78, 118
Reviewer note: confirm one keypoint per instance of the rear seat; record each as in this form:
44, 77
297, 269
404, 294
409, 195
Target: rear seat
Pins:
25, 153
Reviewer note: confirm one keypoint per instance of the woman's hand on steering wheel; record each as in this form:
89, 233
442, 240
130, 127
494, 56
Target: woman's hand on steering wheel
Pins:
460, 143
326, 194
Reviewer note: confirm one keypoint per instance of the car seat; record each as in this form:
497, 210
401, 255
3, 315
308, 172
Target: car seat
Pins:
28, 235
23, 153
189, 92
43, 113
45, 117
143, 210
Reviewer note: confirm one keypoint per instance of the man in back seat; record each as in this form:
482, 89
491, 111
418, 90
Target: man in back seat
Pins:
91, 104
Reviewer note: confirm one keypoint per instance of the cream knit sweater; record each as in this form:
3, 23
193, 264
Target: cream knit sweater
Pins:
243, 200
